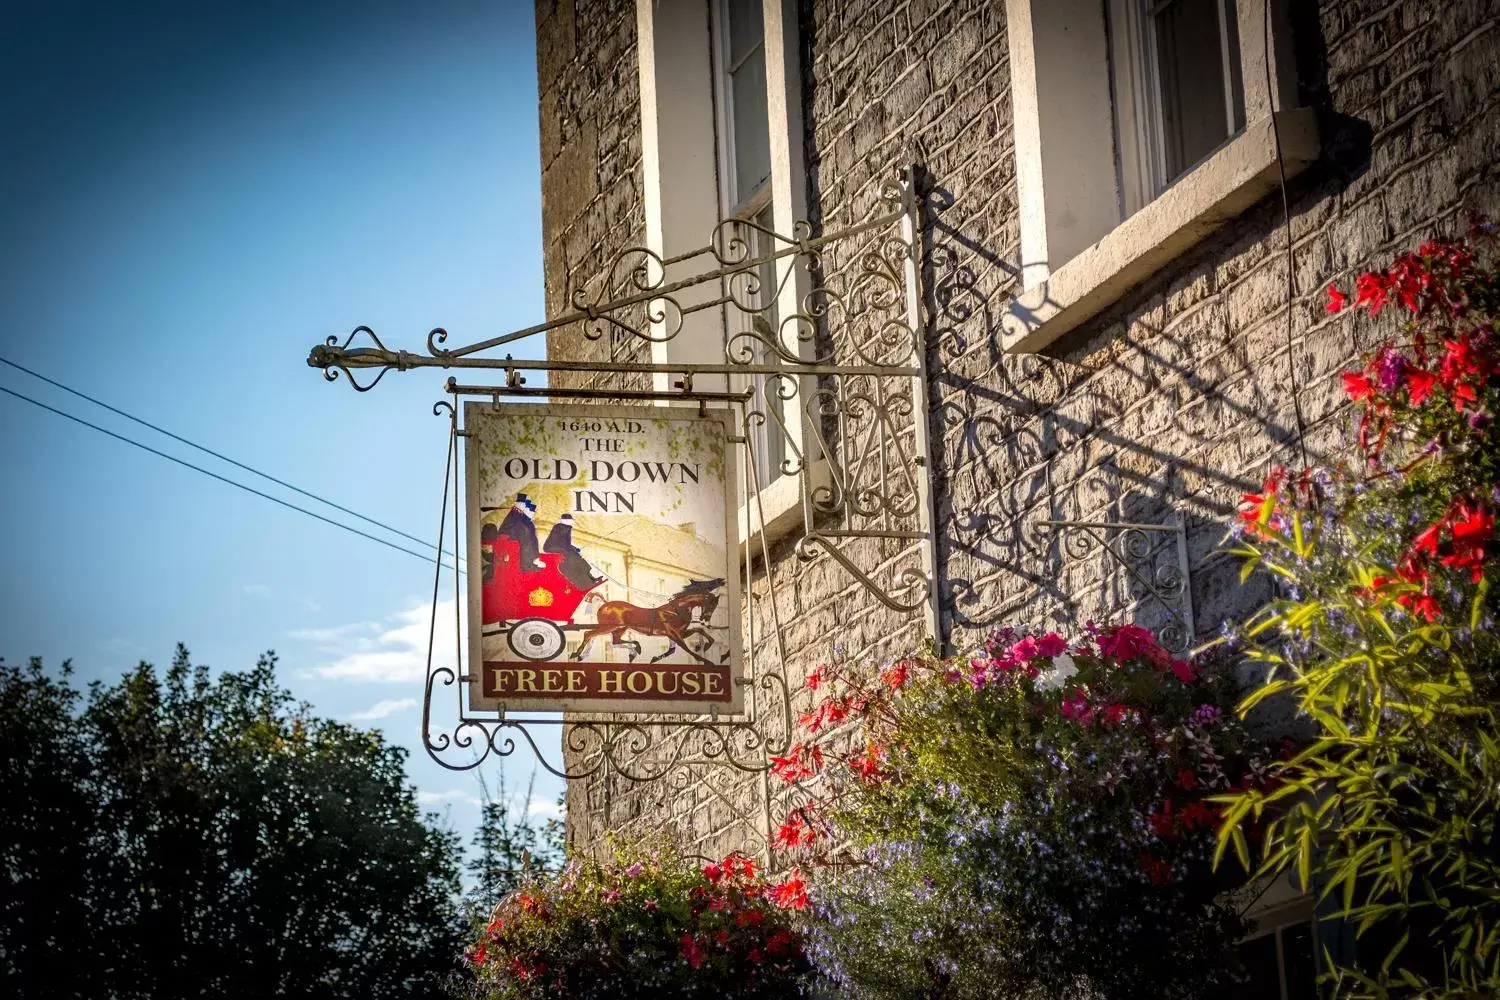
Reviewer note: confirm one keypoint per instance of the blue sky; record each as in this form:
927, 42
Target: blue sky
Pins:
191, 196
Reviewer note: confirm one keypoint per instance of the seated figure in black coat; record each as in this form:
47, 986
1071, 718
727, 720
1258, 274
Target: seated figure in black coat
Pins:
573, 565
518, 525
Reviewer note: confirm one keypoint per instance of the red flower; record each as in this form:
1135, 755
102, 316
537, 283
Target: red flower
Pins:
1127, 642
1162, 820
1184, 671
791, 894
867, 765
1358, 387
749, 918
815, 677
1370, 290
1196, 814
1336, 300
796, 831
799, 762
896, 676
1421, 605
1427, 541
691, 951
1157, 870
1076, 708
1471, 533
1419, 385
781, 941
738, 864
1187, 779
713, 872
479, 955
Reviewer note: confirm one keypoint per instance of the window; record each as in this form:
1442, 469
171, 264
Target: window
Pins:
1281, 962
1178, 93
743, 130
1140, 126
744, 125
722, 137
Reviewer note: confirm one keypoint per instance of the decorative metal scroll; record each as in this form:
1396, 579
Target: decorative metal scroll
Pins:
1151, 563
825, 364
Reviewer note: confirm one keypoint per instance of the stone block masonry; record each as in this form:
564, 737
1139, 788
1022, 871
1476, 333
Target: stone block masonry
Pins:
1174, 400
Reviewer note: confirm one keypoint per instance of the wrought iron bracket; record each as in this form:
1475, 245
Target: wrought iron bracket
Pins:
1165, 582
837, 385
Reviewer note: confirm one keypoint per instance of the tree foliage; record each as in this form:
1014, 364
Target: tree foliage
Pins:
1385, 638
176, 834
509, 844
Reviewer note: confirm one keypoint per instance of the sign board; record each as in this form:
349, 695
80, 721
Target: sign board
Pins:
602, 559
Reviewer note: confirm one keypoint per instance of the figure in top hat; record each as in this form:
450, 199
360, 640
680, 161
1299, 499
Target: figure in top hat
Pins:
519, 525
577, 569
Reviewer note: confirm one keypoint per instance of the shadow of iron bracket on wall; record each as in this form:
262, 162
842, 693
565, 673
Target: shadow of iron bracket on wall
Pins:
839, 384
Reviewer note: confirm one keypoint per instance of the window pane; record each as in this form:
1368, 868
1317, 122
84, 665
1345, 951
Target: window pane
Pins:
1191, 69
1301, 964
746, 30
1259, 957
752, 130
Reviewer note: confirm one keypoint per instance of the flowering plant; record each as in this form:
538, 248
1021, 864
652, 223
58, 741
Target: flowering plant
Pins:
1384, 639
1034, 820
653, 927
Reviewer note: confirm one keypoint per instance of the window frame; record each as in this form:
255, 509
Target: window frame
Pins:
1080, 251
683, 168
733, 203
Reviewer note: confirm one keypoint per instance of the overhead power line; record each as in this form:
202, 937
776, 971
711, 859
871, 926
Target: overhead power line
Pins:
223, 479
219, 455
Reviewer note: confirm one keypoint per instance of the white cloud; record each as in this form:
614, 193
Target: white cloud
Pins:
446, 797
256, 590
545, 808
381, 709
390, 651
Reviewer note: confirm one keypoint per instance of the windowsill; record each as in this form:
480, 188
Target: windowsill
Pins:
781, 502
1202, 201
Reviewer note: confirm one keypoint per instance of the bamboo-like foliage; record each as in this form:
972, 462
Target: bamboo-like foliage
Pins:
1383, 639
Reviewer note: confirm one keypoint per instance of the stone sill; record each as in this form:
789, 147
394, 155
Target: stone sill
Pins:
1221, 187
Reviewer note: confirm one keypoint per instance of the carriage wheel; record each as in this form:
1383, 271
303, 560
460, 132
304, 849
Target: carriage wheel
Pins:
536, 639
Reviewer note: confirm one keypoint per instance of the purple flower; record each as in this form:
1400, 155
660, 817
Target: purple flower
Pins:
633, 870
1390, 370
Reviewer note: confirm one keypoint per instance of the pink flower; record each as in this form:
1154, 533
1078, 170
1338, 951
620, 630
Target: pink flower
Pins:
1051, 645
633, 870
1025, 650
611, 895
1076, 708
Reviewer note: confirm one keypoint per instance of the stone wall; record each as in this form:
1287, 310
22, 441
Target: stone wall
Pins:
1172, 402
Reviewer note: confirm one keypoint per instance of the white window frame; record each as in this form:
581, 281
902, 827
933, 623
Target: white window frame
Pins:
734, 204
1079, 250
684, 195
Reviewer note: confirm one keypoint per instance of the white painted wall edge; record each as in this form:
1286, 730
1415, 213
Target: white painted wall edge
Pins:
1213, 193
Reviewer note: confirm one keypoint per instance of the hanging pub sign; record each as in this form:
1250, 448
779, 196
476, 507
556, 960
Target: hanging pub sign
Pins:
601, 547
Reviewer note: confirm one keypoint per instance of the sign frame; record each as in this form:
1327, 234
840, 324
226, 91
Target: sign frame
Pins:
736, 667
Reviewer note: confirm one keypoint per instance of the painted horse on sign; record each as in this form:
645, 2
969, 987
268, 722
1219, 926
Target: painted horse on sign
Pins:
685, 614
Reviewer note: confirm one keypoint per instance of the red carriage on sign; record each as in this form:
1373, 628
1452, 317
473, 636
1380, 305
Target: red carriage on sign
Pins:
533, 610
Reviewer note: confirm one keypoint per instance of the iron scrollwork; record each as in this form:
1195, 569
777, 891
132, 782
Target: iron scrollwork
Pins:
1135, 550
830, 380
